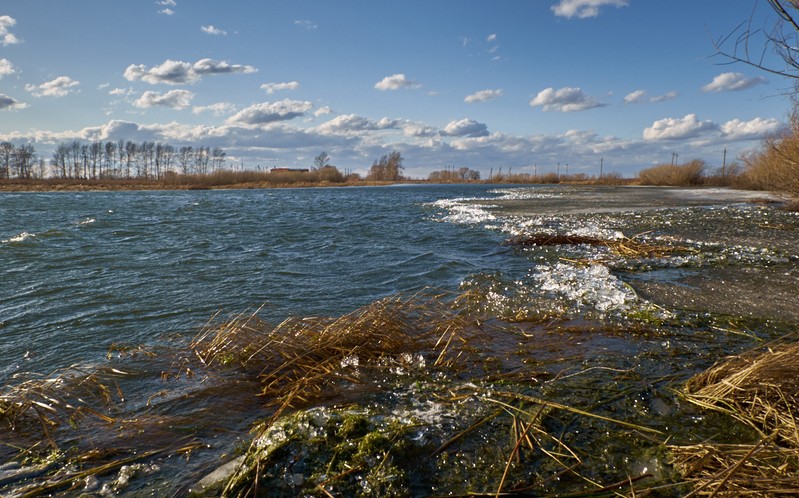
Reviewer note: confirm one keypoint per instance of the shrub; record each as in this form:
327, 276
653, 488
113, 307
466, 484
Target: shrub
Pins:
775, 166
611, 178
681, 175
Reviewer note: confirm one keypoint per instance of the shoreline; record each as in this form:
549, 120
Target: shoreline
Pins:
81, 185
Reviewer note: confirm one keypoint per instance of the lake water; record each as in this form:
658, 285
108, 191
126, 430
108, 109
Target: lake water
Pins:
86, 276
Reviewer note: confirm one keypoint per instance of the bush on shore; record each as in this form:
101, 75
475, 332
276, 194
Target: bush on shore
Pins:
775, 166
682, 175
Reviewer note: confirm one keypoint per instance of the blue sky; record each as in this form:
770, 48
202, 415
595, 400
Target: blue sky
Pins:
509, 83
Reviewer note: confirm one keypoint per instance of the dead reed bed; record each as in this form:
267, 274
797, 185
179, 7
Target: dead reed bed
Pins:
761, 390
300, 359
63, 398
689, 174
625, 247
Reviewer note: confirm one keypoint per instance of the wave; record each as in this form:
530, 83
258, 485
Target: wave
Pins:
22, 237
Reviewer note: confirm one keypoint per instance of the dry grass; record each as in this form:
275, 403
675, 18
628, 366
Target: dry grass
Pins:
63, 398
626, 247
760, 390
688, 174
300, 358
760, 470
775, 166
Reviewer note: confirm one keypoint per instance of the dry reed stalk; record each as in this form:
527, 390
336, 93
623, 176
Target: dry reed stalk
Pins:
64, 397
626, 247
299, 358
760, 389
762, 469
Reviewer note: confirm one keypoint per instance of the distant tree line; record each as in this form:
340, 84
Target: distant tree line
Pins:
388, 168
109, 160
450, 174
20, 162
127, 159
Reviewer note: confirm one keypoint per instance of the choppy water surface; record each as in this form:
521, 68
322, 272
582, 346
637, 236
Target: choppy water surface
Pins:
85, 277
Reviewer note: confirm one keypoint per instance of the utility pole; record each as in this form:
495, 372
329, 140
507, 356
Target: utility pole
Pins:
558, 171
601, 165
724, 164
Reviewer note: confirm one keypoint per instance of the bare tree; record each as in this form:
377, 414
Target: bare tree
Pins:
185, 156
750, 45
321, 161
217, 158
60, 160
6, 153
23, 160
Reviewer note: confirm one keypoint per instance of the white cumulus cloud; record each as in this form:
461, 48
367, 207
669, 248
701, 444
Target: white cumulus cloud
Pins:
584, 8
176, 99
58, 87
6, 36
6, 68
349, 124
306, 24
7, 102
756, 128
465, 128
564, 100
271, 88
396, 82
726, 82
173, 72
482, 96
640, 96
635, 97
218, 109
270, 112
167, 11
666, 96
210, 29
678, 128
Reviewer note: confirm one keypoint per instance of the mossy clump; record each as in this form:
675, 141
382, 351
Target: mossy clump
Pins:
324, 452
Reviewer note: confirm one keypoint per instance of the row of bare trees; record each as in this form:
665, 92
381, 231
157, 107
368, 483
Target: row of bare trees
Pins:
127, 159
19, 162
450, 174
109, 160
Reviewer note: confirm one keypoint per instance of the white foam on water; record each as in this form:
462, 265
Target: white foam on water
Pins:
526, 194
18, 238
596, 232
462, 213
593, 286
87, 221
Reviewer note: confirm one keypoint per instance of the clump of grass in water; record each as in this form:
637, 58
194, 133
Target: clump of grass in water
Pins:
761, 390
299, 358
64, 398
625, 247
55, 427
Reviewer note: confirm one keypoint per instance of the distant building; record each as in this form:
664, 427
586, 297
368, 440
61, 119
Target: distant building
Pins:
290, 170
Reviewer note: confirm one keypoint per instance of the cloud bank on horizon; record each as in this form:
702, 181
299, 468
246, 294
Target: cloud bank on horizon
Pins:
573, 81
